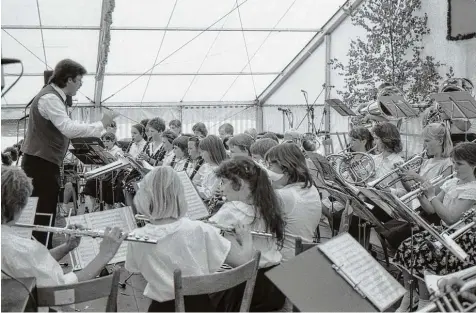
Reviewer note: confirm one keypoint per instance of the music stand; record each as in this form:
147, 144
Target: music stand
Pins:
340, 107
456, 104
398, 106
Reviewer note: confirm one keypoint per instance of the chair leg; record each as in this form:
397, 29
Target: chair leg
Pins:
384, 248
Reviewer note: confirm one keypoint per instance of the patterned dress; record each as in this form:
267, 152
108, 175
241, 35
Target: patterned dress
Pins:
446, 262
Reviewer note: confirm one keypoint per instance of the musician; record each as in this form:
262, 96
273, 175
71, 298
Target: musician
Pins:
22, 257
240, 145
269, 135
168, 138
301, 200
181, 160
252, 132
154, 151
200, 130
110, 143
138, 142
226, 130
213, 153
176, 126
195, 247
48, 134
457, 196
260, 147
252, 201
197, 171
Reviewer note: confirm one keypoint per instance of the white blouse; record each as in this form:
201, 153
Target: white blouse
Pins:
23, 257
193, 247
210, 182
302, 210
169, 156
137, 148
384, 165
234, 212
454, 192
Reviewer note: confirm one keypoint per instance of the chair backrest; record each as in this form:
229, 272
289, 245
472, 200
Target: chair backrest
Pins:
207, 284
301, 247
81, 292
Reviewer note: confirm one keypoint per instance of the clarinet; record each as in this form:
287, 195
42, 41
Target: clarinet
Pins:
197, 167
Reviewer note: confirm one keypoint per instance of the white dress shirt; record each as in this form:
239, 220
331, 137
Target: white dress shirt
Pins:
210, 182
194, 247
23, 257
52, 109
237, 212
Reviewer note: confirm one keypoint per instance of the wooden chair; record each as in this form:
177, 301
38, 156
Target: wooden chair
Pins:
207, 284
81, 292
300, 247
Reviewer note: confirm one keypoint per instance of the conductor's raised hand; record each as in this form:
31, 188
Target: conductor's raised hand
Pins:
111, 241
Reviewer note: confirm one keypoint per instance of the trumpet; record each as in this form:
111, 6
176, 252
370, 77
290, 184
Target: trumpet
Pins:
451, 298
225, 229
353, 167
412, 164
417, 192
83, 232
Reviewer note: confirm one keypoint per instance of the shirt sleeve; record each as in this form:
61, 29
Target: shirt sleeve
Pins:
229, 215
52, 109
468, 193
217, 248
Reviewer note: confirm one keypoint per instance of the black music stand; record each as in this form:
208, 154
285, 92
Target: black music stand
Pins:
456, 104
398, 106
340, 107
312, 284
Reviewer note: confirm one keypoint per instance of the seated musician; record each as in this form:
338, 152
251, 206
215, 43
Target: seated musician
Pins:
240, 145
457, 196
22, 257
259, 148
213, 153
154, 153
168, 138
194, 247
301, 200
112, 128
200, 130
252, 201
181, 160
197, 170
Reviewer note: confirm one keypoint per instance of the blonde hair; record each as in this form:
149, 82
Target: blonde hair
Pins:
161, 195
439, 131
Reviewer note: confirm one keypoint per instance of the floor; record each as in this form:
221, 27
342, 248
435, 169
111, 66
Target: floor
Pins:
131, 298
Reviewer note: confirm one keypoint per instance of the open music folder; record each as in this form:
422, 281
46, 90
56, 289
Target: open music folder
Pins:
88, 249
196, 208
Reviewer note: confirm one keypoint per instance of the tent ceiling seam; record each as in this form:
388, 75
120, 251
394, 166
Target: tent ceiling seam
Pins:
41, 32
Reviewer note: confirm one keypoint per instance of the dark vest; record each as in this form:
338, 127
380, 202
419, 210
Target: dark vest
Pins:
43, 139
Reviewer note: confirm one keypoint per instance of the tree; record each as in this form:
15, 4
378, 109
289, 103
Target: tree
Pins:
392, 52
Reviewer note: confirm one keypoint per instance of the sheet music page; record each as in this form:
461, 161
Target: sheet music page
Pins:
196, 207
88, 248
27, 217
363, 270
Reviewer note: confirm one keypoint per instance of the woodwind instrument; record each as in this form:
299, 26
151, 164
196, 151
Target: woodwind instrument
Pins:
83, 232
449, 301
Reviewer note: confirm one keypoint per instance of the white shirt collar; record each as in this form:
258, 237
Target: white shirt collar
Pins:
60, 91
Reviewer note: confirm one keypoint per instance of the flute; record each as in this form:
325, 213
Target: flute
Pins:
83, 232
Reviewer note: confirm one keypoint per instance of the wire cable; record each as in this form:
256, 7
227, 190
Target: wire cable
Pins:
221, 121
24, 286
171, 54
41, 32
15, 82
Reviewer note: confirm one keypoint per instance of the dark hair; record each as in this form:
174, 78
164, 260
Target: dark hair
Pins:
140, 128
227, 128
214, 146
156, 123
182, 143
169, 135
13, 153
271, 136
389, 135
195, 140
16, 189
363, 133
263, 196
200, 127
113, 124
144, 122
64, 70
261, 146
243, 141
175, 123
6, 159
465, 151
109, 136
225, 142
292, 161
308, 145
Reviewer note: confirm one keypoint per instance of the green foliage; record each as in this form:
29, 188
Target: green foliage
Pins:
392, 51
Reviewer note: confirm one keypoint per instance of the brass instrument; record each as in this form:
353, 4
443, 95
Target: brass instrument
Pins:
449, 301
412, 164
353, 167
82, 232
377, 108
417, 192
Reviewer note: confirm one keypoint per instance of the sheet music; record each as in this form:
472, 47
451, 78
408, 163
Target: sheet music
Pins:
27, 217
196, 207
89, 247
363, 271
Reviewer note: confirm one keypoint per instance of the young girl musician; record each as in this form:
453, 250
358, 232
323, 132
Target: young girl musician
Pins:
213, 153
168, 138
240, 145
181, 160
194, 247
252, 201
456, 197
154, 152
197, 170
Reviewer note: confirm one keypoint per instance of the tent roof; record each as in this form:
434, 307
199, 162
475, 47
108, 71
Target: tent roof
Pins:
192, 50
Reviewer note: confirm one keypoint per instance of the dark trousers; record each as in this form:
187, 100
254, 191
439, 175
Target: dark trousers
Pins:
46, 186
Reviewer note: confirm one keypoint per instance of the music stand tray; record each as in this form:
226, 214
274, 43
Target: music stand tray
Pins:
340, 107
456, 104
398, 106
90, 151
